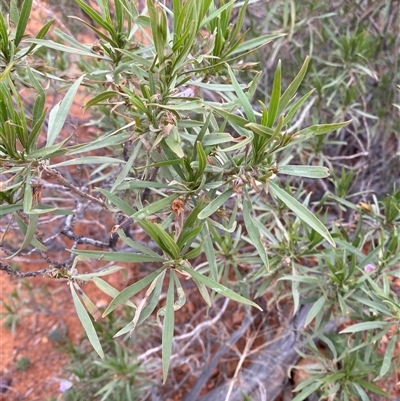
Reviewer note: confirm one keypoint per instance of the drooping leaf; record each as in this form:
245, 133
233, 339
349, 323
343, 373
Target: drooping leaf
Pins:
168, 327
86, 322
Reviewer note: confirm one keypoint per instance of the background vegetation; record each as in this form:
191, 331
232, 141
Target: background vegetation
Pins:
215, 178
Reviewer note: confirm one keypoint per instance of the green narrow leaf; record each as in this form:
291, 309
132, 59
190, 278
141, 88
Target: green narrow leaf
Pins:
101, 97
373, 388
218, 288
255, 43
301, 211
173, 141
296, 106
154, 207
232, 118
202, 158
153, 301
89, 159
215, 204
86, 322
66, 49
28, 193
203, 292
320, 129
34, 242
118, 202
96, 17
23, 21
304, 171
6, 209
209, 252
192, 219
387, 359
363, 327
261, 130
307, 391
275, 97
120, 15
3, 34
60, 111
292, 88
132, 290
161, 237
186, 237
101, 273
148, 309
361, 392
194, 253
244, 101
14, 13
253, 231
134, 245
128, 257
168, 327
109, 290
90, 306
29, 234
313, 312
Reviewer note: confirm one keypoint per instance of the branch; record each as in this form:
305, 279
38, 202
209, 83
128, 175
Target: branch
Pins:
9, 270
57, 175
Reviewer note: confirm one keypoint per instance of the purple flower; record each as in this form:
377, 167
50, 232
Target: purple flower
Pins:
65, 385
369, 268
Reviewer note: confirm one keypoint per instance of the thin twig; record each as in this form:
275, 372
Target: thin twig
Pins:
9, 270
57, 175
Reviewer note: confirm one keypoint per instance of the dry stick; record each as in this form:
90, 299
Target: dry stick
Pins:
67, 231
57, 175
209, 369
265, 369
9, 270
194, 332
269, 369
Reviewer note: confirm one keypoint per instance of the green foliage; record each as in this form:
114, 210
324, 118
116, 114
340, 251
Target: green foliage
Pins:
214, 182
118, 377
23, 363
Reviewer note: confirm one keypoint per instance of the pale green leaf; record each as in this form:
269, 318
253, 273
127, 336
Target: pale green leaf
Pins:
128, 257
313, 312
168, 327
301, 211
132, 290
86, 322
215, 204
364, 326
218, 288
387, 359
60, 112
292, 88
89, 160
304, 171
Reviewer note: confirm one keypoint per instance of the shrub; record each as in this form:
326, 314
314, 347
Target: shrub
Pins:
182, 152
